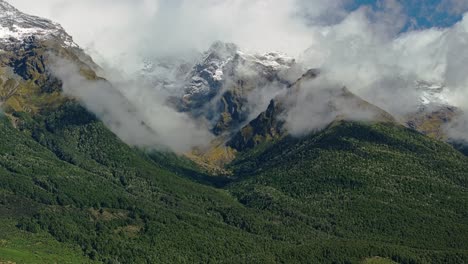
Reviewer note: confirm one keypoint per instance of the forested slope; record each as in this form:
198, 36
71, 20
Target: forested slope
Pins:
350, 193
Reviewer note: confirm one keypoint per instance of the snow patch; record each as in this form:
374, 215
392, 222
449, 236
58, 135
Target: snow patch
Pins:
218, 76
432, 93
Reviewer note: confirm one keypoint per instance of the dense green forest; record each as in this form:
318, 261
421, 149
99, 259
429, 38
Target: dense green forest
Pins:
72, 192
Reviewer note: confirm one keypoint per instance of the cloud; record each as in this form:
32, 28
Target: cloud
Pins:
364, 49
314, 103
383, 66
454, 7
110, 30
122, 32
145, 121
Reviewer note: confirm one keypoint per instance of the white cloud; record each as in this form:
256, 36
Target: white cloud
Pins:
362, 50
384, 67
456, 7
145, 121
119, 31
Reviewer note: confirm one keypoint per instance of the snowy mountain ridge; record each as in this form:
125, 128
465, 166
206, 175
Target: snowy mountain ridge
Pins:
17, 27
226, 61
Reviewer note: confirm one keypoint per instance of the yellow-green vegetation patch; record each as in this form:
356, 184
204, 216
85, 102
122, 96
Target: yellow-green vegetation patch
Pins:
213, 159
25, 83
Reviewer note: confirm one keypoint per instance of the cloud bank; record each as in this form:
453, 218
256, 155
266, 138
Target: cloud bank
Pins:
366, 50
121, 32
145, 121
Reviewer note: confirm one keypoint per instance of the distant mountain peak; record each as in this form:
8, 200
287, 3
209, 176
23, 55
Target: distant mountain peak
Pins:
16, 27
226, 61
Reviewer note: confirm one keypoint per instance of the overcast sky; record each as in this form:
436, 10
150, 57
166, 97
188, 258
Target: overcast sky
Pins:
122, 30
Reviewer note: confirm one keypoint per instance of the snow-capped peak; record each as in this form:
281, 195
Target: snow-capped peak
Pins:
432, 93
225, 60
16, 26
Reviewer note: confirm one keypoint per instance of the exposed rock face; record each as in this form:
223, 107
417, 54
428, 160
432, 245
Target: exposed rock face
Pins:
206, 78
220, 87
271, 124
432, 121
268, 126
27, 46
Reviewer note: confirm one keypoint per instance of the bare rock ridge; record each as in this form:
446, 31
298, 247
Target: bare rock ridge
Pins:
270, 125
17, 27
220, 86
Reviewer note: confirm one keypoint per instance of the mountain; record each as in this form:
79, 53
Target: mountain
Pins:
29, 43
337, 103
354, 178
18, 27
71, 191
434, 112
432, 120
233, 90
223, 85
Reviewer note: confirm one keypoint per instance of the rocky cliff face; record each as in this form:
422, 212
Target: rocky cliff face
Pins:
270, 125
221, 87
28, 46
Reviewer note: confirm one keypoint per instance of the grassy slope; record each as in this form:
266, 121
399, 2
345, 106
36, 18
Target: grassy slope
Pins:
24, 247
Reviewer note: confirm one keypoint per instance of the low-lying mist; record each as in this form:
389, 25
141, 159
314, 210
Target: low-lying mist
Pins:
137, 114
370, 50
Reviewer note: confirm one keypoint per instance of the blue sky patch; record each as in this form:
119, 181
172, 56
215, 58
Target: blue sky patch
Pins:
425, 13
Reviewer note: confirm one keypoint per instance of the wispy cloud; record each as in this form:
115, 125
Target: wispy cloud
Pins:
455, 7
144, 120
364, 50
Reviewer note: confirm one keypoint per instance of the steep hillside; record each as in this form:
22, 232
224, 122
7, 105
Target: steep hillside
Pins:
28, 48
349, 193
337, 103
72, 192
68, 176
364, 182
